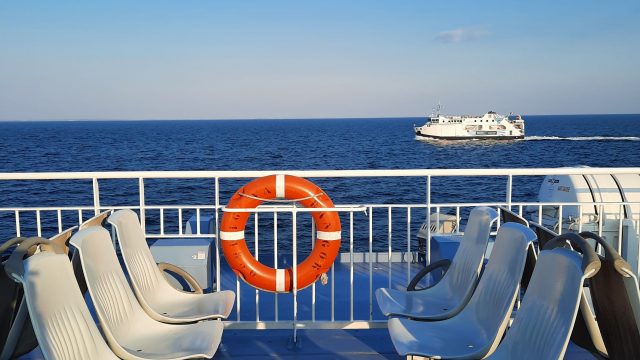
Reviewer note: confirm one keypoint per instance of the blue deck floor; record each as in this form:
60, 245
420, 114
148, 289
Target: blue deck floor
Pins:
312, 344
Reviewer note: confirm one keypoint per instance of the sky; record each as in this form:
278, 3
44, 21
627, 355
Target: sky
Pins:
315, 59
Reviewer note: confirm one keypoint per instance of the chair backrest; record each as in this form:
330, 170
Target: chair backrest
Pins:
97, 220
16, 331
586, 332
146, 278
59, 314
544, 235
493, 300
115, 303
463, 273
543, 324
507, 215
616, 301
16, 334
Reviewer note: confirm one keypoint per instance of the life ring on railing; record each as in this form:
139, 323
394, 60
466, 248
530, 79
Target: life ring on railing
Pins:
291, 188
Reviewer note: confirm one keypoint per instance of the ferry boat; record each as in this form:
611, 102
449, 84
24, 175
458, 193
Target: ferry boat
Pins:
384, 245
490, 126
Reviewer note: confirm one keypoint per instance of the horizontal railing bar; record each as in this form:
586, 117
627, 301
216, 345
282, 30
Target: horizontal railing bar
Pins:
312, 173
288, 208
179, 236
66, 208
304, 324
295, 209
498, 203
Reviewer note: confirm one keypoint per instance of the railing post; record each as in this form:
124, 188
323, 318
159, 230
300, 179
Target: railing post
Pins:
408, 257
96, 196
38, 223
370, 263
351, 294
428, 247
255, 254
295, 274
509, 191
142, 216
275, 260
313, 286
18, 232
217, 214
389, 242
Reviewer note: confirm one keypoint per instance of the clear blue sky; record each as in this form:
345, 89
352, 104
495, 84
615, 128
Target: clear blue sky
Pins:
300, 59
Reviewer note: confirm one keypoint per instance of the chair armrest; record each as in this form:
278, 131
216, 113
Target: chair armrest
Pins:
11, 242
444, 263
163, 266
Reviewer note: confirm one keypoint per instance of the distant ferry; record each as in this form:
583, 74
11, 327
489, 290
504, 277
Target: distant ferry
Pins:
464, 127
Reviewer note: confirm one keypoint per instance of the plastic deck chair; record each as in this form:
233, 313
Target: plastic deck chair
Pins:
16, 332
59, 314
586, 332
478, 328
506, 216
130, 332
158, 298
542, 326
616, 301
453, 291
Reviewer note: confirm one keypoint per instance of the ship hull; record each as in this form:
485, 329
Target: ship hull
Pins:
471, 137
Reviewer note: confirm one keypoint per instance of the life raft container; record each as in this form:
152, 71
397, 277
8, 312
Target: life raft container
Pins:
302, 191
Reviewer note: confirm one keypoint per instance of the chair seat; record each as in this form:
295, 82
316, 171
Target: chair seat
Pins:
179, 307
450, 339
411, 303
169, 341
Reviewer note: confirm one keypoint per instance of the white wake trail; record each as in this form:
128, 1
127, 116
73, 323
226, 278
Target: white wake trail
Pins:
583, 138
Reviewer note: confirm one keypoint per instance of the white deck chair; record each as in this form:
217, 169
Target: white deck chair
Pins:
542, 327
59, 315
129, 330
449, 296
158, 298
21, 339
478, 328
616, 301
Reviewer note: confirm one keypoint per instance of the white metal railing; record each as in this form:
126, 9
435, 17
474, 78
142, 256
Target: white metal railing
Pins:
400, 218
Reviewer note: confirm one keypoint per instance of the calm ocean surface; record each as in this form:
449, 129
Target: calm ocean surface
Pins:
552, 141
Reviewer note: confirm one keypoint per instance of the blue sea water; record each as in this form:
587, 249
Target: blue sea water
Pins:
278, 145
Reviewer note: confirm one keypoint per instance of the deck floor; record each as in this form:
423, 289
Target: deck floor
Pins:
312, 344
315, 344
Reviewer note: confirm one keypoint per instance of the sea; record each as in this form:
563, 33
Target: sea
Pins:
284, 145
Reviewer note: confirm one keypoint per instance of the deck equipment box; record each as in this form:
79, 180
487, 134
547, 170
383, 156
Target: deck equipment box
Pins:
191, 254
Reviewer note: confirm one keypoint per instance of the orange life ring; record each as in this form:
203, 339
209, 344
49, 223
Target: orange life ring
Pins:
288, 187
